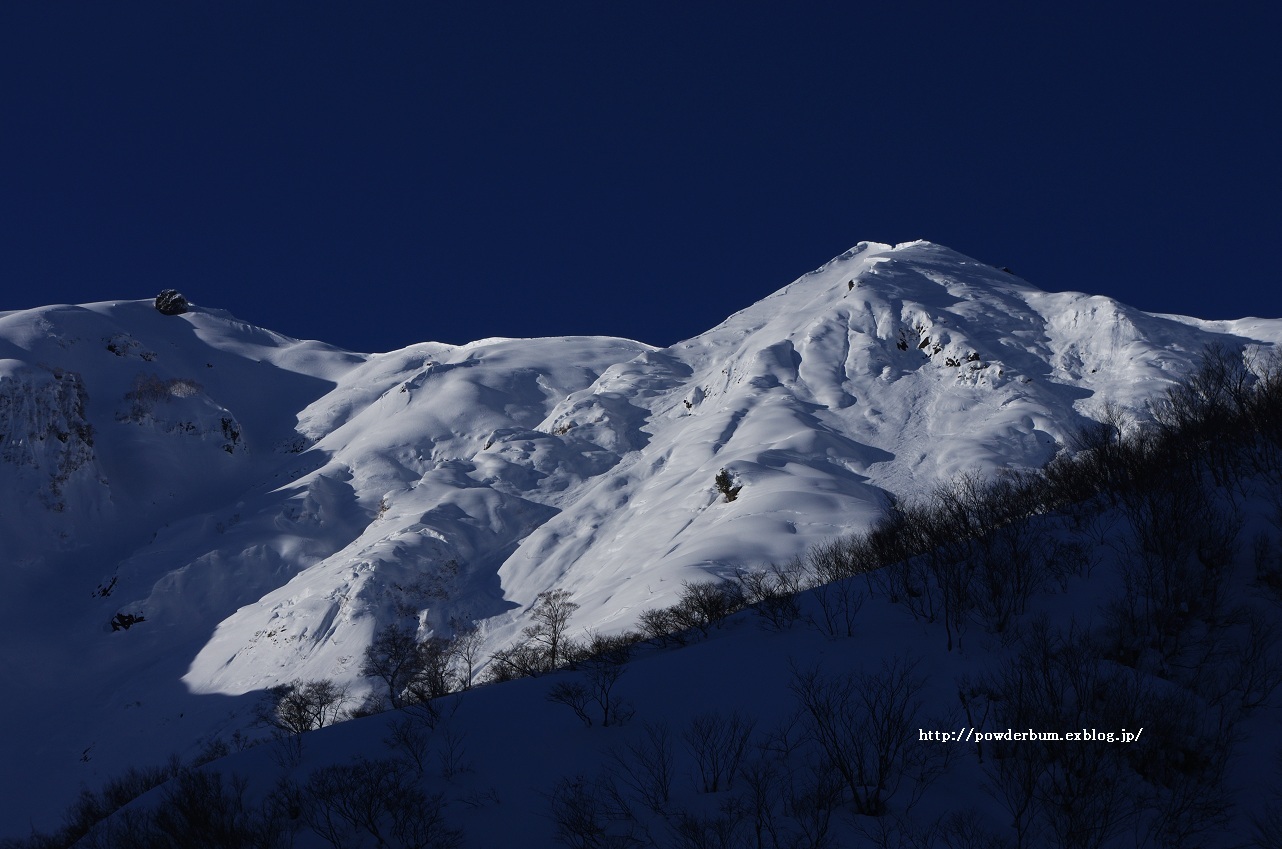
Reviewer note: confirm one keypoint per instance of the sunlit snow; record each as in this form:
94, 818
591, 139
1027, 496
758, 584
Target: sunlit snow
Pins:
267, 504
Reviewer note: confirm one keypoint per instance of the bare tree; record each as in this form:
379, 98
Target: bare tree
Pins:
595, 814
196, 808
812, 796
833, 568
301, 706
1175, 575
705, 604
346, 804
661, 625
648, 766
435, 674
601, 661
551, 613
761, 800
772, 592
574, 695
718, 742
1267, 824
467, 649
394, 658
519, 661
862, 725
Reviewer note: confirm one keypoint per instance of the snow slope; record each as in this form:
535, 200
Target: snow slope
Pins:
267, 504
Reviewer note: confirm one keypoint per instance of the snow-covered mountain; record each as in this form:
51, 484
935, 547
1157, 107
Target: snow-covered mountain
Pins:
256, 507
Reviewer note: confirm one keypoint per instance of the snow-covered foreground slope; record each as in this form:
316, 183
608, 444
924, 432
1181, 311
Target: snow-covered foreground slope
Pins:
267, 504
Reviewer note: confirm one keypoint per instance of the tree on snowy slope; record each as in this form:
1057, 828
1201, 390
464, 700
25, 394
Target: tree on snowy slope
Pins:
551, 614
302, 706
394, 657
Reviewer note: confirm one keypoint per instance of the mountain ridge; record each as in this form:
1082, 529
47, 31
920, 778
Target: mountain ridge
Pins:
443, 483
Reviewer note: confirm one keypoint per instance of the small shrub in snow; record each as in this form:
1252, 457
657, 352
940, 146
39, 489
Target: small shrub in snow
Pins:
375, 802
705, 604
125, 621
772, 593
602, 662
659, 625
648, 766
726, 486
718, 742
574, 695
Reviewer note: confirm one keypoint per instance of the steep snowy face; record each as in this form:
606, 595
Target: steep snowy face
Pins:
438, 463
115, 419
887, 371
264, 505
497, 470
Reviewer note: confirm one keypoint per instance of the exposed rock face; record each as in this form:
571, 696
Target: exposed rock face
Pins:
171, 302
179, 406
43, 426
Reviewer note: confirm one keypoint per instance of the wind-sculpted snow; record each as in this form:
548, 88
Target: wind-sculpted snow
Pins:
449, 472
267, 504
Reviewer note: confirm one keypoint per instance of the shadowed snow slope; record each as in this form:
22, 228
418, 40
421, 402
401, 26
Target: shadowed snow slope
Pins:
266, 504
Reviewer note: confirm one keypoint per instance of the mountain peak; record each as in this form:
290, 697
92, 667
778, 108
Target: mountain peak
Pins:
266, 504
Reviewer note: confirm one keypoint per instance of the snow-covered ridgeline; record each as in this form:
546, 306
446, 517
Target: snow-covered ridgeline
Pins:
267, 504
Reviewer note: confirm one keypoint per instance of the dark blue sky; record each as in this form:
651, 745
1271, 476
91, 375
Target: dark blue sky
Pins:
376, 174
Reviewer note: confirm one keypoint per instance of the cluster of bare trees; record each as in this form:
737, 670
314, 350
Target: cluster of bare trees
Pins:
547, 644
723, 782
197, 807
374, 802
701, 607
600, 662
416, 671
301, 706
409, 671
973, 551
1223, 421
1168, 792
365, 803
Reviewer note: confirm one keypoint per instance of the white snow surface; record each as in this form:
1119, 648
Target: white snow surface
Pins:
267, 503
